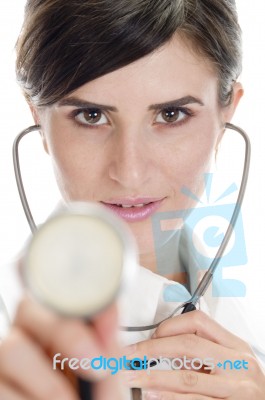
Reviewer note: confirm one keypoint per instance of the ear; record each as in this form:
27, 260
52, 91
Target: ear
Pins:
36, 116
228, 111
34, 113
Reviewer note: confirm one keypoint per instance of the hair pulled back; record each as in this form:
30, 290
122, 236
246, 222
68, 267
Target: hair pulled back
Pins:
65, 43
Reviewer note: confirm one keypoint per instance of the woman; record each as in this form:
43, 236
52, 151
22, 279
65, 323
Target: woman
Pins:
132, 98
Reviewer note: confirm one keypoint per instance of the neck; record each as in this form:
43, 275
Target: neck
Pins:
165, 261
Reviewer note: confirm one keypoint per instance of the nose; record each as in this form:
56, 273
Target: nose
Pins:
130, 163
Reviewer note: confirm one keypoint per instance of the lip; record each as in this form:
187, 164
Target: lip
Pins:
134, 214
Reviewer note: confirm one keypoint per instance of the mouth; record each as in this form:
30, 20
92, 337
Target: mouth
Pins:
130, 206
134, 210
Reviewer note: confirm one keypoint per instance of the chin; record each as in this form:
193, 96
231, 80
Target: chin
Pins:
144, 236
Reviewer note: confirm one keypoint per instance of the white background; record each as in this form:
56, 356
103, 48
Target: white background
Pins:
15, 117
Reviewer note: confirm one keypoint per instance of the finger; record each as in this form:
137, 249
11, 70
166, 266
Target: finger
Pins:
106, 325
69, 337
192, 351
10, 393
201, 325
155, 395
41, 323
109, 389
183, 382
25, 366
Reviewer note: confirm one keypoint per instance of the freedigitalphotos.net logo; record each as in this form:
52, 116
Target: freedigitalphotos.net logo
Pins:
114, 365
201, 233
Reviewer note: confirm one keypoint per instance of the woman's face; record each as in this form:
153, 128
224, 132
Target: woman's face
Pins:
132, 139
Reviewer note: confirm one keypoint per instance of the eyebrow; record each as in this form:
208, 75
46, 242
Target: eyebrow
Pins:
75, 102
79, 103
177, 103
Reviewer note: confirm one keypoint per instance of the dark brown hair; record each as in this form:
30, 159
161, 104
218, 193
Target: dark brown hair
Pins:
66, 43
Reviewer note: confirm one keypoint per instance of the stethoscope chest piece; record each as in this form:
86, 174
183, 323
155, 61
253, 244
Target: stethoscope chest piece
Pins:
79, 259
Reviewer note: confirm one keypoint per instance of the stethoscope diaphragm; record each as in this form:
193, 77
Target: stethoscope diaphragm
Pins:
79, 259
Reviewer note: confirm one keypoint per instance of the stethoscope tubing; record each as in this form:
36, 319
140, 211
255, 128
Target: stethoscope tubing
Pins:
85, 387
19, 181
189, 305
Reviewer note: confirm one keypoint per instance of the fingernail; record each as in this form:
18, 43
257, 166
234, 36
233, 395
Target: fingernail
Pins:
151, 396
128, 350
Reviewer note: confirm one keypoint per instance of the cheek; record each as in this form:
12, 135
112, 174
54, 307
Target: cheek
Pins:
187, 165
197, 162
78, 178
76, 166
68, 175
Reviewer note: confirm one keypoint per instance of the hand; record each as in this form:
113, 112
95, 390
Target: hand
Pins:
26, 367
195, 335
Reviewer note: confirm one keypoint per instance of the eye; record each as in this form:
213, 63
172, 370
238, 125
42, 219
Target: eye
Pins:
92, 117
172, 115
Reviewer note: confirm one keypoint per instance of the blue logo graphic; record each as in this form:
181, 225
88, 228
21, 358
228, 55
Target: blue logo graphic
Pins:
233, 365
213, 237
197, 237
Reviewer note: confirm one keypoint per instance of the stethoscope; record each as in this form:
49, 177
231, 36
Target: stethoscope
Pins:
127, 247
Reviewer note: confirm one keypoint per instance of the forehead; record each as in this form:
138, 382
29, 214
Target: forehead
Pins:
175, 68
